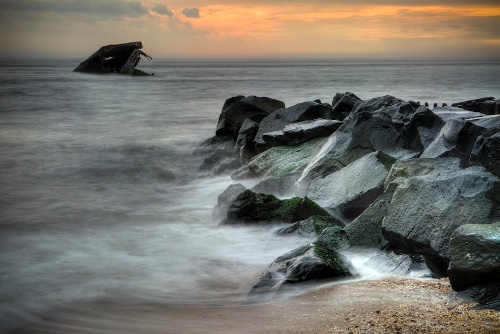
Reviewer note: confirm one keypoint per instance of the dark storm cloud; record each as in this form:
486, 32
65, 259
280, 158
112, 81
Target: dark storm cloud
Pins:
101, 7
191, 12
163, 10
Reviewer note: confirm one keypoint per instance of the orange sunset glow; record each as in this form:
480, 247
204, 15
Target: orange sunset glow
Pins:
246, 29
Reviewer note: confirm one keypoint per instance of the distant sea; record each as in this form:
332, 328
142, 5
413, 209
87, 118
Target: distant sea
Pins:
101, 198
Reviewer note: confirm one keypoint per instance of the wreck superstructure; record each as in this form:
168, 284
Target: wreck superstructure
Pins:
115, 58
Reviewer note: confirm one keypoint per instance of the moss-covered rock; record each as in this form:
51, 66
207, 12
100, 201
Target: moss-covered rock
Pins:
251, 207
338, 264
281, 160
333, 238
308, 262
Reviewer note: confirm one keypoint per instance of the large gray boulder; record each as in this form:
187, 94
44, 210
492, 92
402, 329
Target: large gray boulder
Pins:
238, 108
432, 199
362, 133
474, 256
300, 132
353, 188
304, 111
309, 262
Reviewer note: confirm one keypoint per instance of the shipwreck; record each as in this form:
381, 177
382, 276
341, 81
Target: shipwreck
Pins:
115, 58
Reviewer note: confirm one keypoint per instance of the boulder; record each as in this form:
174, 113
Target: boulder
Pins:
309, 262
238, 108
472, 130
343, 104
474, 256
398, 109
225, 200
311, 227
485, 105
366, 229
362, 133
300, 132
255, 208
458, 137
280, 160
433, 197
280, 118
353, 188
486, 152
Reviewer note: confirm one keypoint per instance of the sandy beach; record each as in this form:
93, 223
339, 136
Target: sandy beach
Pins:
391, 305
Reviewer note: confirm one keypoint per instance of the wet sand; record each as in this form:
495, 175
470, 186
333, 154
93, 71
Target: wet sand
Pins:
391, 305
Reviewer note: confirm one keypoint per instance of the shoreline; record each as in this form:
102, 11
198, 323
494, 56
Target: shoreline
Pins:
390, 305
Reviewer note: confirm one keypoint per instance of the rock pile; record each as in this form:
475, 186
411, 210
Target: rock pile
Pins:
380, 173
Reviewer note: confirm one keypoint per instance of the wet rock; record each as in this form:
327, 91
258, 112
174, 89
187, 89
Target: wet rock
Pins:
211, 144
458, 137
366, 229
396, 264
304, 111
485, 105
254, 208
245, 146
474, 256
225, 200
434, 197
398, 109
238, 108
281, 160
353, 188
334, 238
278, 186
300, 132
223, 152
362, 133
486, 152
343, 104
311, 227
309, 262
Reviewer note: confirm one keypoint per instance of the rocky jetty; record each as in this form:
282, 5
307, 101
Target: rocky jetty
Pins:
421, 186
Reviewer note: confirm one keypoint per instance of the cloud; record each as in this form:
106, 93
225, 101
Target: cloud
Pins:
94, 7
162, 10
191, 12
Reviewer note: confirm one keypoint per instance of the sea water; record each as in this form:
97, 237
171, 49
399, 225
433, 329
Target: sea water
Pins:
101, 197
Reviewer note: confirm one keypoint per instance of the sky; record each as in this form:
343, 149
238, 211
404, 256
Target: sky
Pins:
322, 29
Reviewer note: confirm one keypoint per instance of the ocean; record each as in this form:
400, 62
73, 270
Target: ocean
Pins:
101, 197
